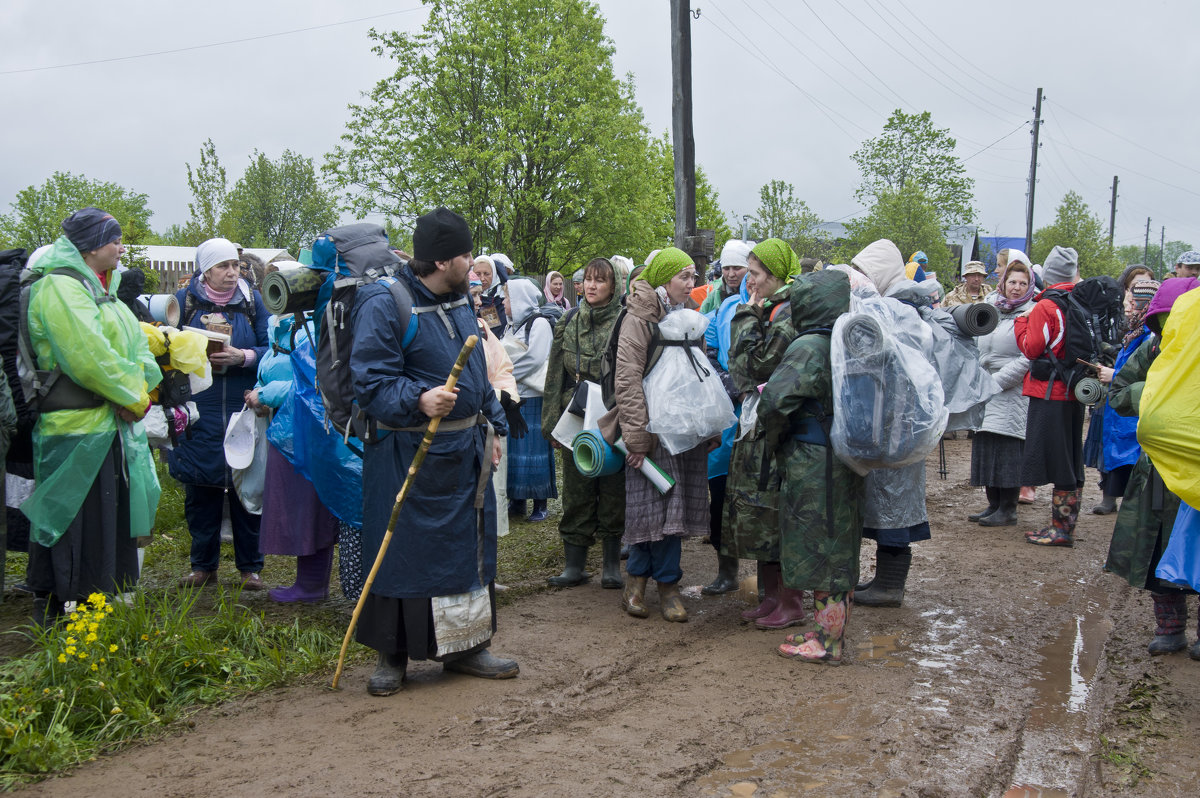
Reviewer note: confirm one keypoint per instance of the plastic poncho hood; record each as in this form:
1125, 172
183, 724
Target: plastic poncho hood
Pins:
881, 261
101, 347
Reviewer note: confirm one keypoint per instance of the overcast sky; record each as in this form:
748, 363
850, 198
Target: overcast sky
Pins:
784, 89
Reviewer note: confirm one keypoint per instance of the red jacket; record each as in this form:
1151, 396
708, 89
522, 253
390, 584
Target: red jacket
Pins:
1038, 332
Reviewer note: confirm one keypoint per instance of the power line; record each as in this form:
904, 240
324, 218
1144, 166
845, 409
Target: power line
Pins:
914, 62
1134, 172
1128, 140
994, 143
209, 45
849, 50
809, 58
917, 37
919, 21
826, 110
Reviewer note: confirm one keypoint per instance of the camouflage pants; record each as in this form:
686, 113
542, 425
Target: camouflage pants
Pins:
593, 509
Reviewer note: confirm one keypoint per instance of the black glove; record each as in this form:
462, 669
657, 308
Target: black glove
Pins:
512, 412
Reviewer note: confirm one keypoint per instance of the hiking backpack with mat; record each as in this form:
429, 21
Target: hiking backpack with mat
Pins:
1092, 315
354, 255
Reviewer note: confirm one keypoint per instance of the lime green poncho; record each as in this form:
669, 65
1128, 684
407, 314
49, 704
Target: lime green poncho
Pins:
101, 347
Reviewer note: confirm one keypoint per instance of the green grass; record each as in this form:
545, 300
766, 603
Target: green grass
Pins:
178, 650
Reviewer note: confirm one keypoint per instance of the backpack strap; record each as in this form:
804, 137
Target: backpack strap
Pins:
53, 389
404, 308
440, 309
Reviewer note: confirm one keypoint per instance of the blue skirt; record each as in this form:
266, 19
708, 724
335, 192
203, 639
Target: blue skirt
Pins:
530, 458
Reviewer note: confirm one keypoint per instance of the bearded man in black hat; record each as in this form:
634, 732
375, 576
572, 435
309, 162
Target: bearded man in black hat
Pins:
434, 595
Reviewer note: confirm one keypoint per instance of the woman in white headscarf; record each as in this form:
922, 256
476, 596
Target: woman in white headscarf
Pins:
220, 299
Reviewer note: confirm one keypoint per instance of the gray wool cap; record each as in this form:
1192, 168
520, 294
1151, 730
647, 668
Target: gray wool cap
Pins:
1061, 266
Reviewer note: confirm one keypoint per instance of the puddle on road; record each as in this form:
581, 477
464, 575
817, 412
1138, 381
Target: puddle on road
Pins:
813, 762
1057, 722
1033, 791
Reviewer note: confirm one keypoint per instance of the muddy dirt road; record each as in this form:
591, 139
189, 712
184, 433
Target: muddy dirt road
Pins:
1010, 669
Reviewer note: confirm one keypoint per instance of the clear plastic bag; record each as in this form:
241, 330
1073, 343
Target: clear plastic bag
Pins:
889, 407
685, 400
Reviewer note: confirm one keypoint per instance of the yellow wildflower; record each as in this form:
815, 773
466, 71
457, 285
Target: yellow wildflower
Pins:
115, 711
93, 627
62, 657
73, 616
71, 650
108, 609
83, 655
145, 637
95, 667
70, 641
112, 649
91, 638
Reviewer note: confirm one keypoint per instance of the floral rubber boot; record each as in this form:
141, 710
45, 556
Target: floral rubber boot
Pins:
823, 645
1064, 511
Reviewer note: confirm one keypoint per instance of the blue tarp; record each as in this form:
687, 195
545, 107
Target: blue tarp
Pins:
990, 245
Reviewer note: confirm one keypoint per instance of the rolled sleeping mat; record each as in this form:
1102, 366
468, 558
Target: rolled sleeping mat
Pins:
593, 455
1089, 390
292, 289
864, 338
979, 318
164, 308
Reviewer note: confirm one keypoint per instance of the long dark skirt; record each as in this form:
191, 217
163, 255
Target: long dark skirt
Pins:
996, 460
1053, 444
96, 554
294, 522
530, 458
404, 626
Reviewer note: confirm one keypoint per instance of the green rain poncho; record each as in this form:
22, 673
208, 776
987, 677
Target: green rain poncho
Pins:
101, 347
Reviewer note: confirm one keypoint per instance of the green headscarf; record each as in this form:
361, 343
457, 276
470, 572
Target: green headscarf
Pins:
778, 257
665, 265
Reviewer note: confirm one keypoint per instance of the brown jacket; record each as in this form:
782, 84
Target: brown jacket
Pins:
629, 418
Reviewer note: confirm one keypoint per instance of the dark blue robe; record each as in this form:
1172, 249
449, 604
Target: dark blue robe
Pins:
436, 548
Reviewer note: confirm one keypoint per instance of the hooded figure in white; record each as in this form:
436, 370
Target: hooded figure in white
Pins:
894, 507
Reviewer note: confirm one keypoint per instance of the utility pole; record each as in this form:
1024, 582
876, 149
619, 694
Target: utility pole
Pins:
681, 122
1162, 241
1037, 124
1146, 252
1112, 215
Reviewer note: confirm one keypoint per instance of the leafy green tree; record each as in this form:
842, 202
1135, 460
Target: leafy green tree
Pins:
209, 187
909, 219
1077, 227
912, 153
509, 112
709, 215
38, 212
279, 203
781, 215
1156, 260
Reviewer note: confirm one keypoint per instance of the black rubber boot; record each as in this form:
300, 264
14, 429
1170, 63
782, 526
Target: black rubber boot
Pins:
1107, 505
483, 665
610, 577
1006, 513
573, 573
727, 577
993, 505
389, 674
47, 611
887, 588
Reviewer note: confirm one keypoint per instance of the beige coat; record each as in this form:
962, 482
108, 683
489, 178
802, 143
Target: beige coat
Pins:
630, 417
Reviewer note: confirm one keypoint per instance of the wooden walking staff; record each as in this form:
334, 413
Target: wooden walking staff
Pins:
413, 468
